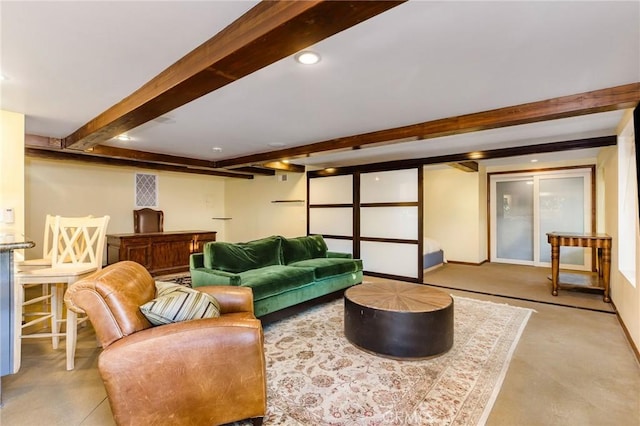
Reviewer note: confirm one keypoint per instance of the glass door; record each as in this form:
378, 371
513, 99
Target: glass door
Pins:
562, 208
526, 206
514, 220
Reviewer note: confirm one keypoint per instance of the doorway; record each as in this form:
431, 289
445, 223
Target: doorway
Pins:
525, 206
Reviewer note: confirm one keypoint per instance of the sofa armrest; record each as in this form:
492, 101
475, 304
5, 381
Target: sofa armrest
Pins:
183, 371
339, 254
205, 276
231, 298
196, 260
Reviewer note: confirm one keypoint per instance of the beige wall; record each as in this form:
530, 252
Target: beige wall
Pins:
624, 295
11, 172
249, 204
71, 188
455, 212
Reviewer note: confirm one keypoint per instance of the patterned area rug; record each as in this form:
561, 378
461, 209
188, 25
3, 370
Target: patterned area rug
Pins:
181, 278
316, 377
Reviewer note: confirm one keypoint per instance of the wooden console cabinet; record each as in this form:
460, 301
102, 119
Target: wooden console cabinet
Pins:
160, 252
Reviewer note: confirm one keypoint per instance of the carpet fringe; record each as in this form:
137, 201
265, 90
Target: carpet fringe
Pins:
503, 373
494, 303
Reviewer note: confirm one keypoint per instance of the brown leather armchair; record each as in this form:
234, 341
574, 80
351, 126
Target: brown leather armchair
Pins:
199, 372
148, 220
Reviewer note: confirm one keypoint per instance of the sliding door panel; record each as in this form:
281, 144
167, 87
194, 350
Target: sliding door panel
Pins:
514, 220
331, 210
562, 207
389, 222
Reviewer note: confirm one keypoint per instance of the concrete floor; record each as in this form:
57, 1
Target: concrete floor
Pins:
571, 367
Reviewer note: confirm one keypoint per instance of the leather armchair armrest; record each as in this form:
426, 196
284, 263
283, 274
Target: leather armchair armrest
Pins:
140, 373
231, 298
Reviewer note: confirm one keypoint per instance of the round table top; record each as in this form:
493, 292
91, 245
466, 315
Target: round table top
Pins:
398, 297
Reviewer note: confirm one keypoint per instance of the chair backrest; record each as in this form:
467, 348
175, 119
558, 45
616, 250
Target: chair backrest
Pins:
112, 298
148, 220
80, 240
47, 244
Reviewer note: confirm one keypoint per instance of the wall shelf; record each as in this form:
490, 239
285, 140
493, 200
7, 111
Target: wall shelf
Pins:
287, 201
221, 218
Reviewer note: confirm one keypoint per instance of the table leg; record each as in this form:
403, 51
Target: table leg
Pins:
555, 268
606, 271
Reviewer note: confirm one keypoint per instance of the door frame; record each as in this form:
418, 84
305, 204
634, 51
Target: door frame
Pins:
590, 212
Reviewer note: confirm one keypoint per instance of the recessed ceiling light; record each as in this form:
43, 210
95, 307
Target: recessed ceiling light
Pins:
307, 57
123, 138
534, 161
216, 149
276, 144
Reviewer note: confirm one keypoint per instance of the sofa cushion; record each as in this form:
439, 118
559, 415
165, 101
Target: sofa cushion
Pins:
303, 248
174, 303
240, 257
328, 267
276, 279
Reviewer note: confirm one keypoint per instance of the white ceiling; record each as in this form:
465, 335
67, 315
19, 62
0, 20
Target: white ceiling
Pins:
66, 62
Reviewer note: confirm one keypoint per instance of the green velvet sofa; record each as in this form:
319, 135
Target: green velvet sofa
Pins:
281, 271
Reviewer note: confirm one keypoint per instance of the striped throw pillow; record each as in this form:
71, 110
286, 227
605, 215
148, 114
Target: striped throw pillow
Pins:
174, 303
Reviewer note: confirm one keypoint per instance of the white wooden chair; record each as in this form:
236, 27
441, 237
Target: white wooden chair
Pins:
47, 246
77, 251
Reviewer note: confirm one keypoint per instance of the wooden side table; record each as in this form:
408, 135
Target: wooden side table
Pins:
398, 320
599, 242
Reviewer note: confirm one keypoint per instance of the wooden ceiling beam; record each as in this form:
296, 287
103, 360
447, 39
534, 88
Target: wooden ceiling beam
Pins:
282, 166
42, 142
465, 166
609, 99
130, 154
53, 154
255, 170
270, 31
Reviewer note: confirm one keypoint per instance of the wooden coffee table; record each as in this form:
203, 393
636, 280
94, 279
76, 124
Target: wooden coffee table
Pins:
399, 320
